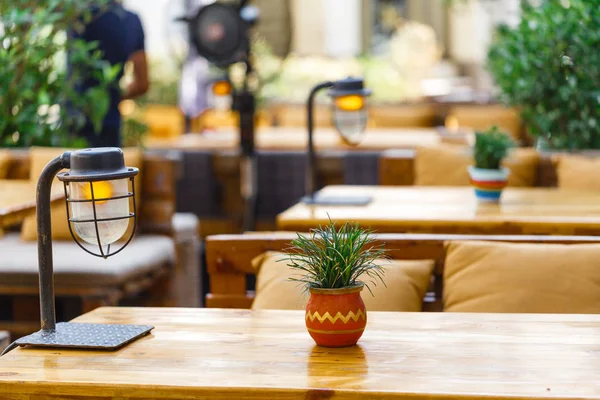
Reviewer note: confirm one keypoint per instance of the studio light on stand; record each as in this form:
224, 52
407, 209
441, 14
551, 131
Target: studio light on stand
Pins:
349, 100
97, 190
221, 34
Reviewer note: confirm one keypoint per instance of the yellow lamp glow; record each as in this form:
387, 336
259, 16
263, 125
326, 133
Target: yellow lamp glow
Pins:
350, 103
109, 231
221, 88
102, 190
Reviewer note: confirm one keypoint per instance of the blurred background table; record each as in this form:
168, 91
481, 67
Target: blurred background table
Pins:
455, 210
290, 138
17, 200
234, 354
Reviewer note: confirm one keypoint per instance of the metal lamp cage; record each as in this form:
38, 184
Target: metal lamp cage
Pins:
67, 179
350, 124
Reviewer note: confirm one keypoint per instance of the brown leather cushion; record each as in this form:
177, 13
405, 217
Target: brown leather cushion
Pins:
446, 165
521, 277
5, 163
72, 266
577, 172
406, 284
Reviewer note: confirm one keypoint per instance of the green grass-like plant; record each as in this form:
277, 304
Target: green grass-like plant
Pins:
333, 258
491, 147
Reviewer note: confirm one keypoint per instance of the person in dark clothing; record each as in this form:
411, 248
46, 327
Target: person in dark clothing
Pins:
120, 36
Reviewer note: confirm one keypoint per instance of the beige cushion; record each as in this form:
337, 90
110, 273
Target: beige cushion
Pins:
578, 172
72, 266
521, 278
446, 165
39, 158
406, 281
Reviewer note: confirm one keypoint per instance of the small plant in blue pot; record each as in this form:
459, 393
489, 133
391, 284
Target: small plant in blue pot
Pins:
488, 177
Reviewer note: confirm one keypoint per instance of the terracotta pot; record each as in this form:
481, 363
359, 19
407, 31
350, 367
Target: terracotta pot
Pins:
488, 183
336, 317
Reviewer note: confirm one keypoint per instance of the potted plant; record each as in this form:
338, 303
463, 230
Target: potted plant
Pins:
548, 67
334, 265
488, 177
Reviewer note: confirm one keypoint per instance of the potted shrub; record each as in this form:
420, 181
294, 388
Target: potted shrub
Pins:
335, 265
548, 67
488, 177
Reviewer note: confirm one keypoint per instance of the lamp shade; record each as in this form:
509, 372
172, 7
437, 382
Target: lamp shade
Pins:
350, 108
97, 164
97, 193
220, 34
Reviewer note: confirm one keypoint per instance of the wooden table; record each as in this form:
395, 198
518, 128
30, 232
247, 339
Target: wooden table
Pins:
237, 354
297, 139
17, 200
455, 210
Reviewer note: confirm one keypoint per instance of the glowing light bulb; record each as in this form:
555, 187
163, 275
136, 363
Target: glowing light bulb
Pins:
350, 103
108, 231
221, 88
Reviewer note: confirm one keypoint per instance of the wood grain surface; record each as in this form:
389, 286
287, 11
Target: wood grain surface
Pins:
236, 354
17, 200
297, 139
455, 210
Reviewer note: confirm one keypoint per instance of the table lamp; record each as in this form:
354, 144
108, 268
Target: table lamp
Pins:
350, 119
97, 197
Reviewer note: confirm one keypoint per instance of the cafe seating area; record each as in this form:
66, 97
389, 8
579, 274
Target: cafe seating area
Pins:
300, 199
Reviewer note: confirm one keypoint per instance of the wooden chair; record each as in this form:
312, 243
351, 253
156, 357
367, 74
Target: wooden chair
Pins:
228, 260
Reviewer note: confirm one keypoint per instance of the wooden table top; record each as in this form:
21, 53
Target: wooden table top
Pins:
17, 200
455, 210
235, 354
297, 139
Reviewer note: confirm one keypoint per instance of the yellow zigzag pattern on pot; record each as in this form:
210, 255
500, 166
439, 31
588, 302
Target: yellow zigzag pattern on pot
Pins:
321, 318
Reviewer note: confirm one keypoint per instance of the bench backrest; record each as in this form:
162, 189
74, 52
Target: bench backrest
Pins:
396, 168
228, 260
159, 177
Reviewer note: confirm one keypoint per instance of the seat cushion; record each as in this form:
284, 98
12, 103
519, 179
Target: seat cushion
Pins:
521, 278
185, 227
577, 172
39, 157
406, 282
446, 165
72, 266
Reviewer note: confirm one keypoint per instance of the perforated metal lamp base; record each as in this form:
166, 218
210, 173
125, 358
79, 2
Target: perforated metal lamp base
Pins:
325, 200
86, 336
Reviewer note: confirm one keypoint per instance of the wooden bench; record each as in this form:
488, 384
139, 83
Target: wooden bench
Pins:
228, 260
396, 168
160, 267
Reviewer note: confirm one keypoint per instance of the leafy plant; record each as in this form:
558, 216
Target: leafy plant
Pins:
548, 66
334, 258
40, 103
134, 131
491, 147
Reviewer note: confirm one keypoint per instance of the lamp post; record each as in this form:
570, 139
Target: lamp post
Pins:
97, 196
350, 119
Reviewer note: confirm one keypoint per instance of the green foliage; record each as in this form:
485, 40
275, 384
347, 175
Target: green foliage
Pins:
39, 103
334, 258
133, 131
549, 67
491, 147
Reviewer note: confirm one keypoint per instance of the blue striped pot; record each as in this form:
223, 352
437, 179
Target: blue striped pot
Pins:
488, 183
